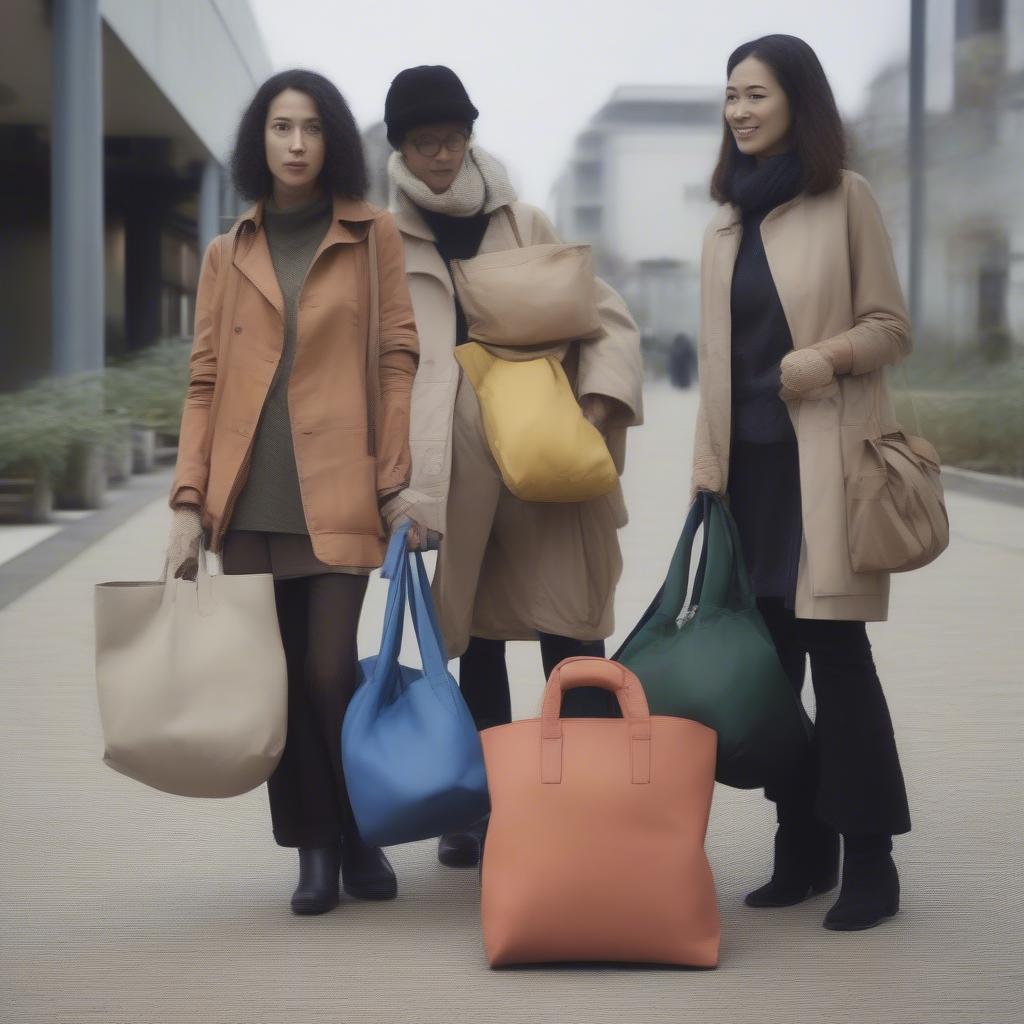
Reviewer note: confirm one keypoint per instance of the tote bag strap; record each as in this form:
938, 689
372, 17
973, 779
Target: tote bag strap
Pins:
395, 569
373, 343
729, 585
515, 227
672, 595
424, 620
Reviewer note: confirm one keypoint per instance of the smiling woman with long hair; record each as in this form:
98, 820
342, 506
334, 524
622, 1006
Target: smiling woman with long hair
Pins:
801, 313
276, 460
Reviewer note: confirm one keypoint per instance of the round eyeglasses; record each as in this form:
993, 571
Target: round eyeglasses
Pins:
430, 145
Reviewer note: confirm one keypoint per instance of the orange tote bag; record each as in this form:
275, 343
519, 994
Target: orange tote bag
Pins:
595, 848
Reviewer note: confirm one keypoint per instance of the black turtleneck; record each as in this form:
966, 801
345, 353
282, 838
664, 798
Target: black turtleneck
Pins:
760, 333
457, 238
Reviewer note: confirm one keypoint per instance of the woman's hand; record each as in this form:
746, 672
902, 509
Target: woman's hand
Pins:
183, 545
805, 369
395, 511
600, 410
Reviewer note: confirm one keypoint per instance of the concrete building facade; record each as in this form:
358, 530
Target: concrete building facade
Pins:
116, 118
636, 188
972, 269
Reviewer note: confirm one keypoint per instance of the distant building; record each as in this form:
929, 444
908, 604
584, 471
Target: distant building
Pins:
972, 287
636, 188
116, 117
378, 150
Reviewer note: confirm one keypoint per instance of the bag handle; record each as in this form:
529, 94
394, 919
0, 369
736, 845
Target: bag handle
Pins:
424, 620
407, 573
734, 585
607, 675
515, 227
673, 590
721, 580
373, 343
395, 569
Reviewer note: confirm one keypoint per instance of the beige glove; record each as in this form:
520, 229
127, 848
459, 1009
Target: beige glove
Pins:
705, 478
395, 511
183, 546
805, 369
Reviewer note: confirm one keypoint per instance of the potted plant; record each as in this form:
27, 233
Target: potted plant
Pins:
34, 444
92, 429
148, 391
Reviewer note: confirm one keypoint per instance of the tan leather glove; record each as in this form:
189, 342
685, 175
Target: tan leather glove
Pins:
805, 369
184, 542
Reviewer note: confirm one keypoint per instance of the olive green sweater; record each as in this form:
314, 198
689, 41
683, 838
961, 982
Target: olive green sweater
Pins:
270, 501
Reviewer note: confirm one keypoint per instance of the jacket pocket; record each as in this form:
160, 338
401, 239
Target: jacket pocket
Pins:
354, 508
339, 481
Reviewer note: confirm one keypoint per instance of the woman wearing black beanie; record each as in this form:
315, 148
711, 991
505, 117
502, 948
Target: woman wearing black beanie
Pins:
507, 569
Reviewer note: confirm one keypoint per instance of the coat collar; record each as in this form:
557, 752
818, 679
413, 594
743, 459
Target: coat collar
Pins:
729, 217
345, 212
408, 217
350, 223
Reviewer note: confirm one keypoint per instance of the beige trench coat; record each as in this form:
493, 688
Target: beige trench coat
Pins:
506, 602
832, 264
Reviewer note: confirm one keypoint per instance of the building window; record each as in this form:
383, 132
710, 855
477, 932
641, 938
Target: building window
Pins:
992, 282
978, 17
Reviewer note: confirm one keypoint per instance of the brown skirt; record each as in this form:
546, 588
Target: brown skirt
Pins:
287, 555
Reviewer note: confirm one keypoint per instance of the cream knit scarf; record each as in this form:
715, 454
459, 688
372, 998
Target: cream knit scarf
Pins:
481, 185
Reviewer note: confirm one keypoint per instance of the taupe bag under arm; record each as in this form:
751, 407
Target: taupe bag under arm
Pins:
895, 509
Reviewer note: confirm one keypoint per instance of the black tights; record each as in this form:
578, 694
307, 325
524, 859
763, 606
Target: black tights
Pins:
319, 617
483, 678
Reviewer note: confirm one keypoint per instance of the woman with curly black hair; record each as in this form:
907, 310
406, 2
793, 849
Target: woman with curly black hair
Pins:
286, 452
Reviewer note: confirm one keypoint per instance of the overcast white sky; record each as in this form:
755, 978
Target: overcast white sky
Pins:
538, 69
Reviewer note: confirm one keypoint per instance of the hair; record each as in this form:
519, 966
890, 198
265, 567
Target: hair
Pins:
344, 170
817, 129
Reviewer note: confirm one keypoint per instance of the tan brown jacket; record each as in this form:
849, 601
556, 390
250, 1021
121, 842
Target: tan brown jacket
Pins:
239, 335
832, 264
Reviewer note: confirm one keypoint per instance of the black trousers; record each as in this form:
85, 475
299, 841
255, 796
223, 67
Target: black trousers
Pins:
319, 618
483, 678
851, 779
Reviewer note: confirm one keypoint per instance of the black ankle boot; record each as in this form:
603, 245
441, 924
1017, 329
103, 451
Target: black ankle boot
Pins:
317, 891
871, 885
806, 863
462, 849
365, 872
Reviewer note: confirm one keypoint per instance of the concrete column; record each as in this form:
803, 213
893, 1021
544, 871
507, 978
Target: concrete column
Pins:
77, 188
209, 205
916, 159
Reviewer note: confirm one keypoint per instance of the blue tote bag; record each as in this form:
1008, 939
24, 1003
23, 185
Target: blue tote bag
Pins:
411, 752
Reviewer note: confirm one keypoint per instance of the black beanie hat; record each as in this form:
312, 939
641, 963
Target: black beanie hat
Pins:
423, 95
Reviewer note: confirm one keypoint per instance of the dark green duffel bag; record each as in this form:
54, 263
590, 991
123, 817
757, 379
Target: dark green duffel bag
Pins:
715, 662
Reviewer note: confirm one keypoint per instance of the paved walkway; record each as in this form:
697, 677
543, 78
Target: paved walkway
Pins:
120, 904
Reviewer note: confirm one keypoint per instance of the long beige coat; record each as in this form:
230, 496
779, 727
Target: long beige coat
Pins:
504, 605
832, 264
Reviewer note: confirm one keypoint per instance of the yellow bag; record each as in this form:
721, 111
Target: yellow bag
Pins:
544, 447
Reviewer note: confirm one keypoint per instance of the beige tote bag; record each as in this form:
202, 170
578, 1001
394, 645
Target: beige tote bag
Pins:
191, 680
528, 297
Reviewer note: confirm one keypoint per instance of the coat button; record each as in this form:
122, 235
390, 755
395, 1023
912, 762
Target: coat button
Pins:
238, 330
